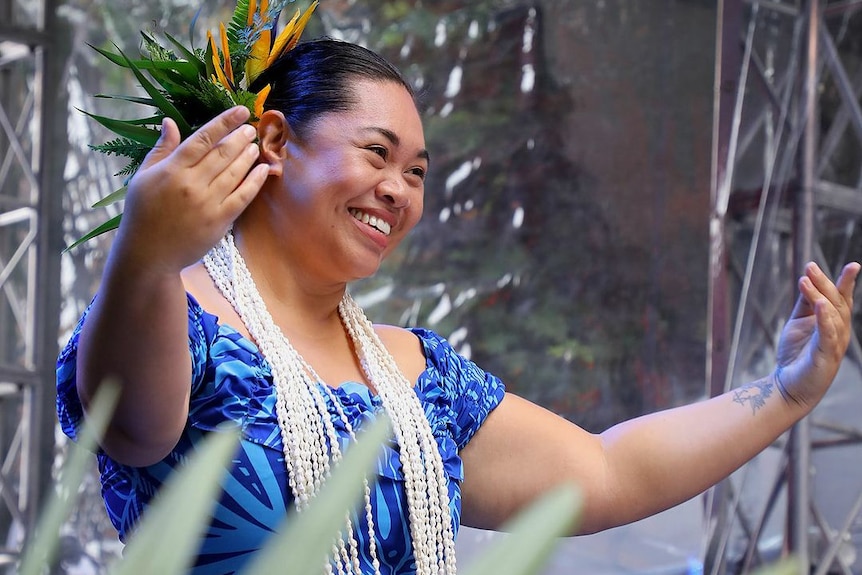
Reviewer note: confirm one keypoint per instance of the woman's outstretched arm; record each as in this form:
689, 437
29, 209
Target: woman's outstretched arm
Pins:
648, 464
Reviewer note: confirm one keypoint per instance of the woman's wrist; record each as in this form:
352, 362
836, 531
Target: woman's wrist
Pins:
779, 385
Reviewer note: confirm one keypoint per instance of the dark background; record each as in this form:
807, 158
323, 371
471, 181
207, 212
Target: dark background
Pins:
564, 243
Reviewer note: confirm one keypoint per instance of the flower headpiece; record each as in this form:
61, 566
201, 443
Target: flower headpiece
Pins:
192, 86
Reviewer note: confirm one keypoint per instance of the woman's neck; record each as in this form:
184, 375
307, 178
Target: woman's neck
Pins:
290, 291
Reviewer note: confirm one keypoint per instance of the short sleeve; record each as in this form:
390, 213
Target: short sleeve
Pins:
69, 409
467, 394
202, 331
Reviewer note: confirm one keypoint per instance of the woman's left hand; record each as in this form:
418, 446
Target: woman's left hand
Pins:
815, 338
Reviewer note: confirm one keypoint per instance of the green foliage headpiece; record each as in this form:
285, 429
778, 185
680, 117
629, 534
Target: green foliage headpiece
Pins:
192, 86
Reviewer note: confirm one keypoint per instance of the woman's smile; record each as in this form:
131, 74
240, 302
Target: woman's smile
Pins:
378, 224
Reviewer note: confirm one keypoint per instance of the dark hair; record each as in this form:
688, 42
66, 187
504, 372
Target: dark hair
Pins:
315, 78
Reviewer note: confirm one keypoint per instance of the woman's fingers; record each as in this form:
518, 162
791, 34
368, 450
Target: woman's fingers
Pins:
216, 133
833, 306
165, 145
217, 161
230, 161
227, 165
815, 286
245, 192
846, 283
187, 194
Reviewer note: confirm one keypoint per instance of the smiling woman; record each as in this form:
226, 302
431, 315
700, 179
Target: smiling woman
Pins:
339, 173
338, 183
232, 265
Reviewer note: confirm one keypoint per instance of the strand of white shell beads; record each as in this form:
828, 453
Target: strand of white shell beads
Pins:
311, 444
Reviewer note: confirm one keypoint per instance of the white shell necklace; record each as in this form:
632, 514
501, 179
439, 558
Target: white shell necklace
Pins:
309, 437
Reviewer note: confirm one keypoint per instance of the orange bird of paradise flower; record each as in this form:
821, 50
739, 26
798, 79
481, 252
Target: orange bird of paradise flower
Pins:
262, 53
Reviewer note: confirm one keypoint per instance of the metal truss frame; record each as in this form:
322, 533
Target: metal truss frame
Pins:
768, 216
32, 154
779, 198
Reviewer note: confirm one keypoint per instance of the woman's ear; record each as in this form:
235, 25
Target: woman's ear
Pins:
273, 132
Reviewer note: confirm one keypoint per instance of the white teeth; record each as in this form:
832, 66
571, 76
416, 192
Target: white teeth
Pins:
384, 227
373, 221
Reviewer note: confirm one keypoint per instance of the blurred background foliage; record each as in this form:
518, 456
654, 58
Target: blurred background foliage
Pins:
565, 238
564, 242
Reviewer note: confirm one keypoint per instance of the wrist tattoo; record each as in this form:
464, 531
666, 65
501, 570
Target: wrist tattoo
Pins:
754, 394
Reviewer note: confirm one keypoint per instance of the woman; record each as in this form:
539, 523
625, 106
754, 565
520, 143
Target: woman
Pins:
224, 300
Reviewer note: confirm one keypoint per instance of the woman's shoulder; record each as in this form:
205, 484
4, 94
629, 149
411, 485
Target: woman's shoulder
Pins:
201, 289
418, 350
406, 347
411, 336
413, 341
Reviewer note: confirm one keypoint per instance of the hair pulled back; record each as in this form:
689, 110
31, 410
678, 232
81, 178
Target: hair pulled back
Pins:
316, 76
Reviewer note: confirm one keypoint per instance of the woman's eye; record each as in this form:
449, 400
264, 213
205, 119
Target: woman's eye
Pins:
379, 150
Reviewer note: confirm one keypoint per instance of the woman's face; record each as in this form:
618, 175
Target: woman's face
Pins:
353, 186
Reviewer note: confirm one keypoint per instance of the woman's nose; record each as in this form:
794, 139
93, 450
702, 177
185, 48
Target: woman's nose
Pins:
394, 191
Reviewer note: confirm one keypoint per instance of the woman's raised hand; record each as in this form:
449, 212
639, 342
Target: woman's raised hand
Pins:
185, 195
816, 336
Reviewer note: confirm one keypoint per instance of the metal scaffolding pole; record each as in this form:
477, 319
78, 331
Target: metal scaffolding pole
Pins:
32, 153
798, 484
786, 189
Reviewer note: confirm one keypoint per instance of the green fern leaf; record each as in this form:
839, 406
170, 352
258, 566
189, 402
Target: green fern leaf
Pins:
155, 48
121, 147
238, 24
124, 147
132, 166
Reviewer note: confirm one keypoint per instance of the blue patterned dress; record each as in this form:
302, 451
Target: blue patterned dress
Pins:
232, 382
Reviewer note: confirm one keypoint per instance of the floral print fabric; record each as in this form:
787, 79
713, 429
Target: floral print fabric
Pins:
232, 382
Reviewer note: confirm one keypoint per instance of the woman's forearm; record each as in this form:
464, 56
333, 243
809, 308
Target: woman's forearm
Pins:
665, 458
